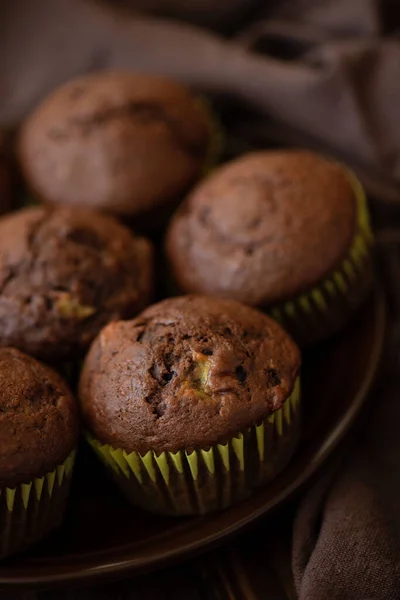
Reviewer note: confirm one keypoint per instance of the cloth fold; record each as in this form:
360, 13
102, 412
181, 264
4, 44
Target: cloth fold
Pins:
318, 73
340, 85
346, 539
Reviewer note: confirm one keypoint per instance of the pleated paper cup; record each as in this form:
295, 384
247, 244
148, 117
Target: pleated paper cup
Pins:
326, 307
30, 511
207, 479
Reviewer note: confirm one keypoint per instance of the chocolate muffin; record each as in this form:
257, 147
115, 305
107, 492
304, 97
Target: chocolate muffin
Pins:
285, 231
129, 144
64, 274
39, 434
193, 403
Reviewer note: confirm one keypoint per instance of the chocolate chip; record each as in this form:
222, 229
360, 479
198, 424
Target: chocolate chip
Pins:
273, 377
168, 376
140, 336
203, 338
241, 374
157, 406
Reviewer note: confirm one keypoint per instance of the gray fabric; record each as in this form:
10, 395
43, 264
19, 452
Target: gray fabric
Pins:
328, 69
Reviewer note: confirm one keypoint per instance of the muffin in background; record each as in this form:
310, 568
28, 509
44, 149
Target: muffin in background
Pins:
285, 231
39, 432
64, 274
126, 143
193, 404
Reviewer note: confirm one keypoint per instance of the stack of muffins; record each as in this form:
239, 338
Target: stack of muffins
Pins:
193, 402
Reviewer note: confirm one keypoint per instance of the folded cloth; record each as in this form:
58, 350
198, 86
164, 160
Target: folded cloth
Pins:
325, 74
346, 542
329, 69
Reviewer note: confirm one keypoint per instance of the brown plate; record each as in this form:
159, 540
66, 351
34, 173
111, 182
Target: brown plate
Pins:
103, 535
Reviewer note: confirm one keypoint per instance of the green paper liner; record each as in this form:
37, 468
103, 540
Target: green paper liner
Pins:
325, 308
30, 511
207, 479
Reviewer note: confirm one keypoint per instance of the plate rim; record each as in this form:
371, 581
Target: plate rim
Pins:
166, 556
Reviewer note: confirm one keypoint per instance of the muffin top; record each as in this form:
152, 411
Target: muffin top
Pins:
38, 418
263, 228
64, 274
186, 373
115, 141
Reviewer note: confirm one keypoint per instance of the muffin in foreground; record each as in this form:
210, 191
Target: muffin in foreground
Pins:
285, 231
38, 433
64, 274
192, 404
129, 144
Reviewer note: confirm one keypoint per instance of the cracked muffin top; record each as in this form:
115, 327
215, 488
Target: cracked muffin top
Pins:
263, 228
188, 372
64, 274
115, 141
38, 419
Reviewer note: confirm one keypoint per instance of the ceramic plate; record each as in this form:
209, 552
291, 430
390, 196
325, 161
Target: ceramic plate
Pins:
105, 536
